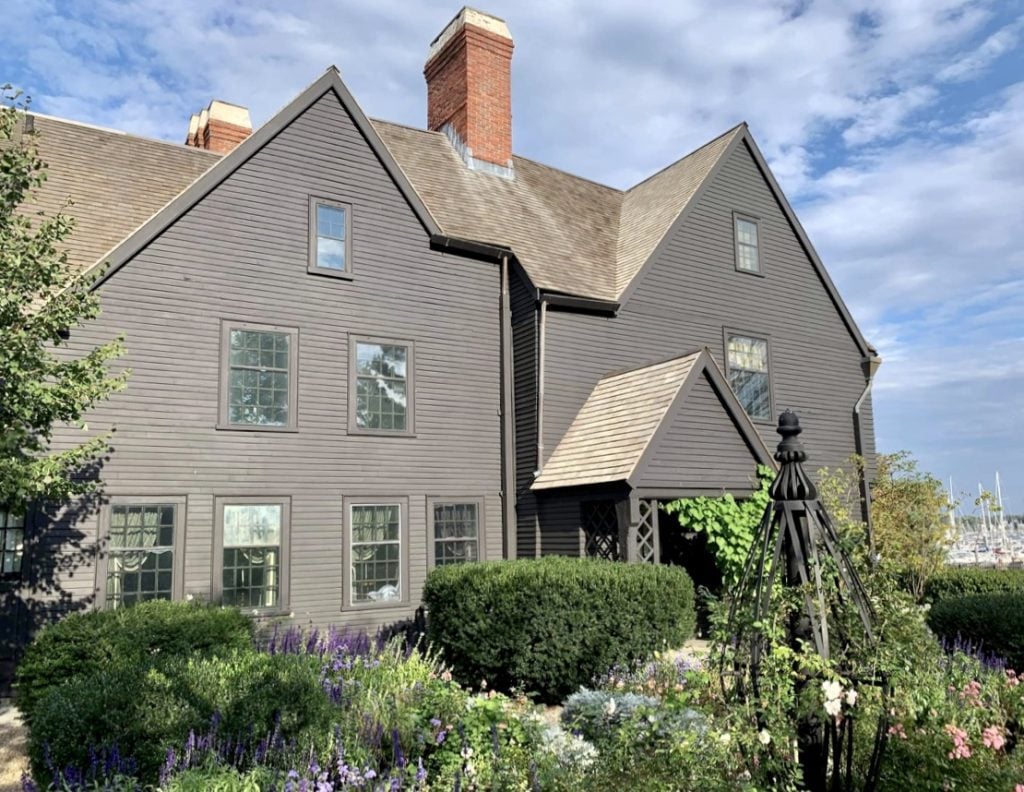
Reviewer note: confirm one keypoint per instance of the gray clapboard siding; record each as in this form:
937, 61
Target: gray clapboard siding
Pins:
524, 364
240, 254
702, 447
693, 291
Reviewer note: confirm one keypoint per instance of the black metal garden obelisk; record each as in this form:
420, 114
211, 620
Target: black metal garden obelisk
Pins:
796, 547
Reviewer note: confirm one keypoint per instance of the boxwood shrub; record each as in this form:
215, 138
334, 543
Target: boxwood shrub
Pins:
991, 623
86, 642
142, 709
549, 626
958, 582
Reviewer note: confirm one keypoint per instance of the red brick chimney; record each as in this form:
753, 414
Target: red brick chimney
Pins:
220, 127
469, 88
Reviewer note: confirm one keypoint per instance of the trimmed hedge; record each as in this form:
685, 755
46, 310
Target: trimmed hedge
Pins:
959, 582
84, 643
549, 626
992, 623
142, 709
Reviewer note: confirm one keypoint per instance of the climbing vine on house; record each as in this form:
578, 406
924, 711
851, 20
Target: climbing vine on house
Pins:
728, 524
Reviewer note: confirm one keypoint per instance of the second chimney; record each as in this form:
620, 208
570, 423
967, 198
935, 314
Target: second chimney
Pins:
220, 127
469, 88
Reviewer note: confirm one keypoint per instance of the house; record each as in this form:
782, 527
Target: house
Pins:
359, 350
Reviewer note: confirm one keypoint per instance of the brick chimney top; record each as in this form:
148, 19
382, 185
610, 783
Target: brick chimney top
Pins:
469, 89
220, 127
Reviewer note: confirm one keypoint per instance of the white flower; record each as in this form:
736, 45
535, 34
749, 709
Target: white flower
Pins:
189, 597
764, 737
851, 697
726, 738
609, 707
832, 689
833, 707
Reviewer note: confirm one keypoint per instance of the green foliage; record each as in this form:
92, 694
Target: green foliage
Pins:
594, 713
994, 623
961, 581
729, 524
83, 643
145, 708
908, 509
222, 779
41, 298
550, 626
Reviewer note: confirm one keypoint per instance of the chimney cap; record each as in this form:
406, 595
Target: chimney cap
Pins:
468, 16
219, 110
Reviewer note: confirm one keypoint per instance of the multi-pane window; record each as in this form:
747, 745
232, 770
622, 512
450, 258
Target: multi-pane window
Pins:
330, 237
748, 374
252, 564
747, 258
12, 543
140, 553
259, 377
456, 533
382, 386
376, 552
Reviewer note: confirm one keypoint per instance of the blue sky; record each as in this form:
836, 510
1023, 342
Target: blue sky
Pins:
894, 126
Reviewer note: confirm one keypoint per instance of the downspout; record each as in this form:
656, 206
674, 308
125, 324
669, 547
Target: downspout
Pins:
540, 386
870, 365
508, 494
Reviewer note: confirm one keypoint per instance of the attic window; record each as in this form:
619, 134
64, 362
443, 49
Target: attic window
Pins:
330, 248
748, 257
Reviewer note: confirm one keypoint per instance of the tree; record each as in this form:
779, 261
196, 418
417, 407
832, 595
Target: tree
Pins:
42, 384
908, 512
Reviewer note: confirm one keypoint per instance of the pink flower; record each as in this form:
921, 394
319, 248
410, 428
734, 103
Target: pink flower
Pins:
1013, 681
898, 731
1019, 788
961, 748
993, 738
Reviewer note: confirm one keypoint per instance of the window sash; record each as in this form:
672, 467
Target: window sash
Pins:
456, 532
749, 376
140, 553
259, 377
376, 555
331, 222
382, 386
747, 245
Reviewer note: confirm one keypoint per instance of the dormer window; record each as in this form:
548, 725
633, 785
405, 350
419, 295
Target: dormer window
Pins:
748, 258
329, 238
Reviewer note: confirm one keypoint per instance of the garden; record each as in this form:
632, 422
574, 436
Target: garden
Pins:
178, 696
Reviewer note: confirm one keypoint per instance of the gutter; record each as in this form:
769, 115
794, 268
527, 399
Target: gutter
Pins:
508, 466
468, 246
870, 365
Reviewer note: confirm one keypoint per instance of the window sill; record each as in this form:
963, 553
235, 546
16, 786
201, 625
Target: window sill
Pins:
330, 273
376, 606
755, 273
223, 427
379, 433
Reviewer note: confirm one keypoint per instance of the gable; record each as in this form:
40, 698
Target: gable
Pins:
701, 447
361, 135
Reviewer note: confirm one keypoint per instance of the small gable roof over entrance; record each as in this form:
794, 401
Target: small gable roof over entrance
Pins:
659, 427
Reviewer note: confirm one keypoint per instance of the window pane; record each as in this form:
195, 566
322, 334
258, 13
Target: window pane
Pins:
258, 384
748, 353
330, 253
250, 576
248, 524
330, 221
381, 386
455, 533
140, 562
752, 389
12, 550
747, 258
376, 552
746, 232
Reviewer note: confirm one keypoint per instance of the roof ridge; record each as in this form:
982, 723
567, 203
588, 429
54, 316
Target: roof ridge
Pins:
120, 132
686, 156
